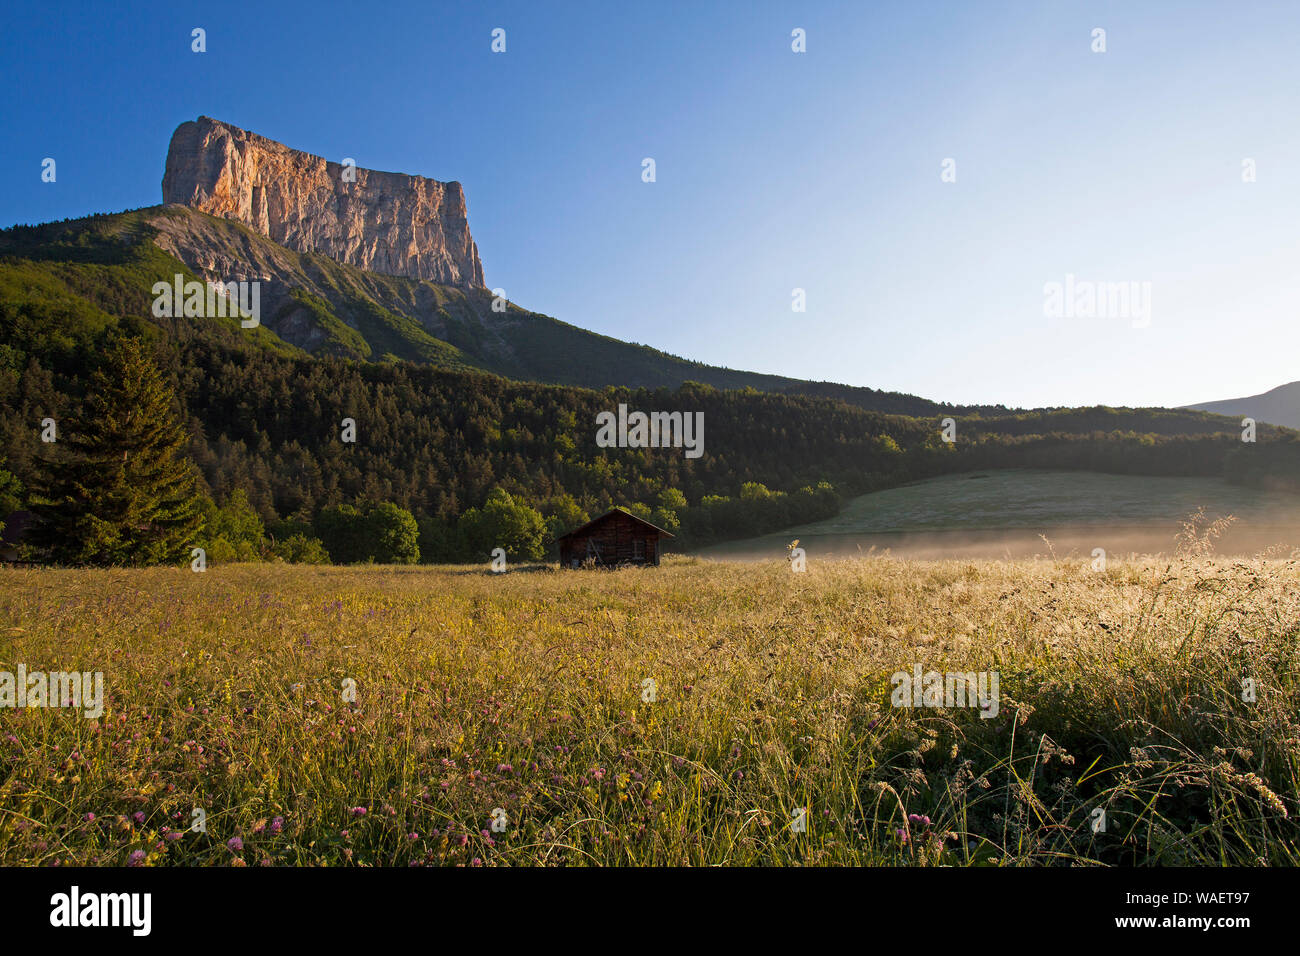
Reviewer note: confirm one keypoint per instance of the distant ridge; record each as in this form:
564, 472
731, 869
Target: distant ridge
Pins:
1278, 406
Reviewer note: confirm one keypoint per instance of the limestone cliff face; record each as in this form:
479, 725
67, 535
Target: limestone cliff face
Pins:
384, 222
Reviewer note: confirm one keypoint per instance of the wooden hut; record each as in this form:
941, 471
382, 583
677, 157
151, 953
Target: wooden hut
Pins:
615, 538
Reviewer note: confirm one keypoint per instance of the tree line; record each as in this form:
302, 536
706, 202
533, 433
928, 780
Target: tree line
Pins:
171, 443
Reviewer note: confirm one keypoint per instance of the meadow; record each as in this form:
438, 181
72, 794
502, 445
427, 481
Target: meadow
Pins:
699, 713
1000, 514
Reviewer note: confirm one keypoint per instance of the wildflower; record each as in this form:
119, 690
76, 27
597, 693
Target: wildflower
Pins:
359, 811
235, 844
138, 817
89, 818
136, 858
277, 824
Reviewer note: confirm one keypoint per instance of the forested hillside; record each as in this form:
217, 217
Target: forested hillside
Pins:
445, 427
327, 308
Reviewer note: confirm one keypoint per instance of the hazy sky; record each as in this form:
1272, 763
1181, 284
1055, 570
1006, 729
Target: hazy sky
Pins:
775, 170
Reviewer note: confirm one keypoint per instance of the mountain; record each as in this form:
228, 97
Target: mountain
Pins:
384, 269
417, 290
1278, 406
389, 223
455, 401
324, 307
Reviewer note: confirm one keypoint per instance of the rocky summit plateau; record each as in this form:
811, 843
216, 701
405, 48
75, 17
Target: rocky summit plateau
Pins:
389, 223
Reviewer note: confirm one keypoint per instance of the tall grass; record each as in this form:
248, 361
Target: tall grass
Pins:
1121, 691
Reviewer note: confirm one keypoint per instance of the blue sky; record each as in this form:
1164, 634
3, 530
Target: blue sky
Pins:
775, 170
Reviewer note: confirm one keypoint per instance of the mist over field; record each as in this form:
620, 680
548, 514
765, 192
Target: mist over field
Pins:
1037, 513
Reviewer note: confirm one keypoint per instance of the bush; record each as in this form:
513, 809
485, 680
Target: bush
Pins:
392, 534
505, 523
383, 533
300, 549
232, 531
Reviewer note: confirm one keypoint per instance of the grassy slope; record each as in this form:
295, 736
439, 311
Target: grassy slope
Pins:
1032, 498
523, 691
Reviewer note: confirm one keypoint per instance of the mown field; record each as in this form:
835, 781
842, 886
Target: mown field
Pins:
524, 692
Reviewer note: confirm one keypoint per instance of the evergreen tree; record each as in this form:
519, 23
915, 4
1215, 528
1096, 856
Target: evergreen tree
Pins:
339, 528
11, 494
124, 494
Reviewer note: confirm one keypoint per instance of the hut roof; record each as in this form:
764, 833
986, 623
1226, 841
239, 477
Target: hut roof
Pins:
610, 514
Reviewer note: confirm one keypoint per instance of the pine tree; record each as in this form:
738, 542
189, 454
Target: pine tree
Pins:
125, 493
